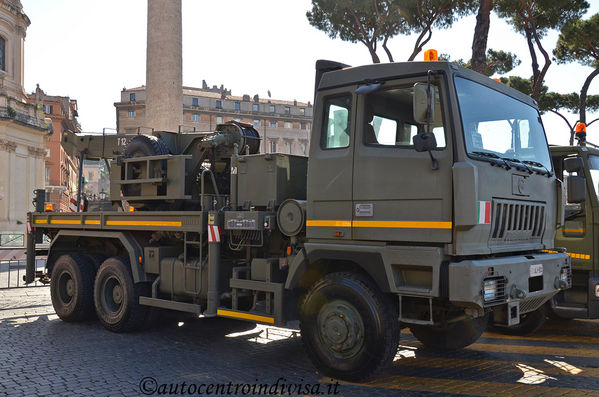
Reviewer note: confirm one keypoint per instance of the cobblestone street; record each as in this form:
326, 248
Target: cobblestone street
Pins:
42, 355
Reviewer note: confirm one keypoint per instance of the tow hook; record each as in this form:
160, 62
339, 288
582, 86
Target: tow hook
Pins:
560, 283
516, 292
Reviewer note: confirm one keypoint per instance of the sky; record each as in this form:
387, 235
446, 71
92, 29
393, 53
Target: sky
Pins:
90, 50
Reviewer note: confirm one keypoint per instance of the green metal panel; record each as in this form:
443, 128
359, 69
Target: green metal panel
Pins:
270, 179
330, 172
397, 196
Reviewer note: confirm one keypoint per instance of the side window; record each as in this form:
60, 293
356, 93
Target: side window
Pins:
336, 127
389, 119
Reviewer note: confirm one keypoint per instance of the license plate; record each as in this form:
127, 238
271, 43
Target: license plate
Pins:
536, 270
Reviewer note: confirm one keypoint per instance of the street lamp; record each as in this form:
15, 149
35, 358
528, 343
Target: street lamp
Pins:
102, 195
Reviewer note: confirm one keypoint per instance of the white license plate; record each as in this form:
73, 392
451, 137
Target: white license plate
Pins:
536, 270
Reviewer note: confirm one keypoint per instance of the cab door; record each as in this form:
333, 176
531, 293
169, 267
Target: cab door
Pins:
397, 196
329, 210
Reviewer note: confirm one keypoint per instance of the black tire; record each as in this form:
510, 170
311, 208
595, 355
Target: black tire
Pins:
96, 260
335, 306
553, 316
453, 335
145, 145
116, 298
72, 287
529, 323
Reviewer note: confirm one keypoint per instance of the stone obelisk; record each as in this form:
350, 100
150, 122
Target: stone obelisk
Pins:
164, 94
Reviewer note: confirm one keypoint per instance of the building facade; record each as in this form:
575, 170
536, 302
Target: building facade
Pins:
60, 172
284, 126
23, 128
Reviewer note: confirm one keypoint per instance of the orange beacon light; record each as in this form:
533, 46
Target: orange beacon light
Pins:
431, 55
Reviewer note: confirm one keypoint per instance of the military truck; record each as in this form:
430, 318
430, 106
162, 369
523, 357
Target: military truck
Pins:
427, 201
578, 166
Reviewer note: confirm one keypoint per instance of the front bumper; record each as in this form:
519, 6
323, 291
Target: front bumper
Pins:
526, 280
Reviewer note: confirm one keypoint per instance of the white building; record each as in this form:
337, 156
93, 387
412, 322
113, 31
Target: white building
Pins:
23, 130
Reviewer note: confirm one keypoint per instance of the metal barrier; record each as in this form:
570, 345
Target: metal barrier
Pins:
12, 272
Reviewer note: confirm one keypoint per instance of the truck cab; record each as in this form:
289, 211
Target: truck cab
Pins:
465, 222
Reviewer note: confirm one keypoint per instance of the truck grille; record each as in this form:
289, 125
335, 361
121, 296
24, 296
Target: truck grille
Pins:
532, 304
516, 220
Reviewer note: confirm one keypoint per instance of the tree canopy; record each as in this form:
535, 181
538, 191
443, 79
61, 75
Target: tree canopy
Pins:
371, 22
534, 18
366, 22
578, 42
495, 62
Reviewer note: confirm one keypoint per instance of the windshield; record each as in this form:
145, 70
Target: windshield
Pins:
594, 170
499, 126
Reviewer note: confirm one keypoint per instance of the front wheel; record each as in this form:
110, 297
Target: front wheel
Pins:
452, 335
116, 298
348, 327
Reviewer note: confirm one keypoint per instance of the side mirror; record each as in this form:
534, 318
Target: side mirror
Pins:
573, 164
424, 142
576, 189
423, 101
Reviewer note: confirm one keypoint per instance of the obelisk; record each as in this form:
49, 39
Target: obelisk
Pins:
164, 94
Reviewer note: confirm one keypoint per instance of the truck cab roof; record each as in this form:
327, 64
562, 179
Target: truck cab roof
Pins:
344, 75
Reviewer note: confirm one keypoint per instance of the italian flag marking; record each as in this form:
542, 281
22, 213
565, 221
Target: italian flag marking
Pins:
483, 210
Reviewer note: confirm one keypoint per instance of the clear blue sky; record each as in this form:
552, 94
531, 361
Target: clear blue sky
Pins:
89, 50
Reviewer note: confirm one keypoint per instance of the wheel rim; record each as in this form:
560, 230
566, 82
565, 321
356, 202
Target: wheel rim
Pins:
341, 328
112, 295
66, 287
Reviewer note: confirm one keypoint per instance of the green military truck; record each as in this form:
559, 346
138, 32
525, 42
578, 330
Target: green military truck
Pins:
578, 166
427, 202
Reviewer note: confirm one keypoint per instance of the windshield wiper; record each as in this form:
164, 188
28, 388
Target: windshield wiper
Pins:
487, 154
520, 166
493, 157
539, 165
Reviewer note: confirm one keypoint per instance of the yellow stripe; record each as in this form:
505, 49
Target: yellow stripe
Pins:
38, 221
530, 349
548, 337
574, 255
65, 221
143, 223
328, 223
542, 337
245, 316
404, 224
574, 230
505, 366
479, 388
382, 224
92, 222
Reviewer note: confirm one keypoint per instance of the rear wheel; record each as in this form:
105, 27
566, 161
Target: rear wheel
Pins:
451, 336
71, 287
116, 298
348, 327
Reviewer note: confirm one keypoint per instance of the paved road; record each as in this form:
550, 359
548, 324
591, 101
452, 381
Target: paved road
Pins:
41, 355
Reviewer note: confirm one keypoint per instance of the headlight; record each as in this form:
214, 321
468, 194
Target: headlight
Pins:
564, 275
490, 290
